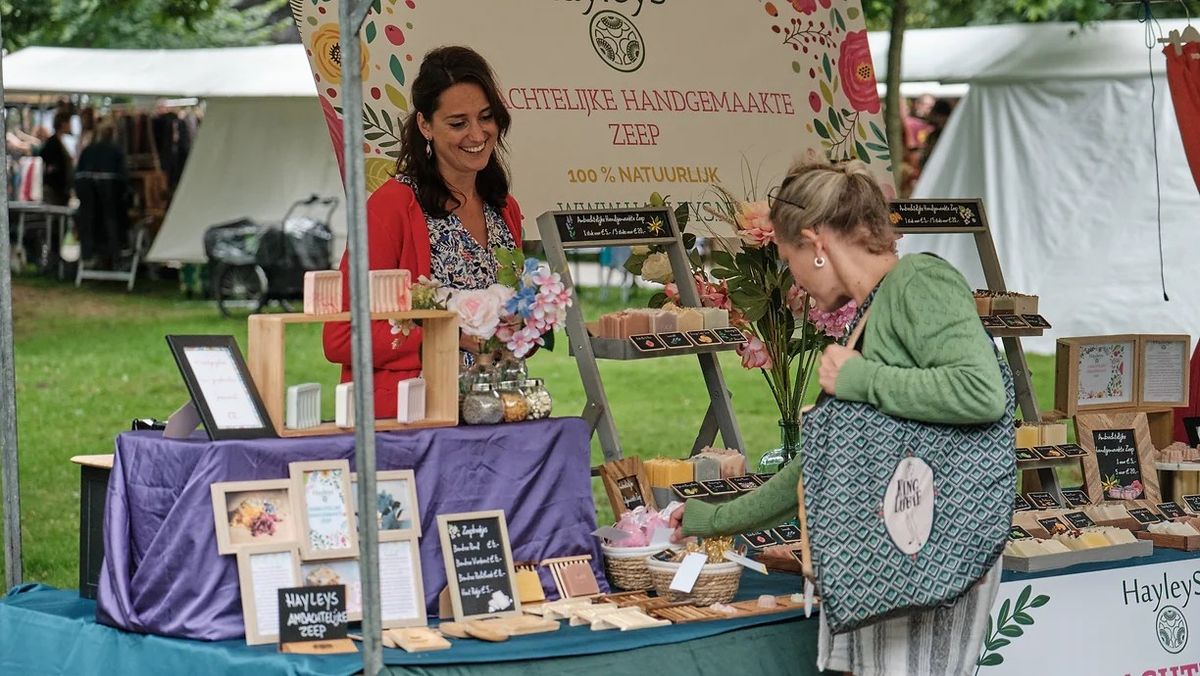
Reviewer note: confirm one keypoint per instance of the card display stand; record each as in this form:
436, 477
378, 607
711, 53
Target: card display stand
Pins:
439, 366
561, 230
916, 217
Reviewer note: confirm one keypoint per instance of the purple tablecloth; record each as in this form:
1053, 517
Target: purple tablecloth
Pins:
162, 573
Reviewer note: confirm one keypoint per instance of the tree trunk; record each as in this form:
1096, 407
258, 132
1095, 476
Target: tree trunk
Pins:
893, 119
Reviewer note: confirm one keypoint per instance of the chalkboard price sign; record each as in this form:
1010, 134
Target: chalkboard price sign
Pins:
937, 215
626, 226
479, 568
1120, 473
312, 614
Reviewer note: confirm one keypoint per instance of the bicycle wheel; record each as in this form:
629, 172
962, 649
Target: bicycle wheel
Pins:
241, 290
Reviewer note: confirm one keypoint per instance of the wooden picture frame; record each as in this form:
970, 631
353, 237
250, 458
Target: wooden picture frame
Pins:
401, 484
625, 482
394, 555
254, 513
345, 572
1086, 427
1164, 384
1096, 373
323, 487
262, 571
225, 396
448, 525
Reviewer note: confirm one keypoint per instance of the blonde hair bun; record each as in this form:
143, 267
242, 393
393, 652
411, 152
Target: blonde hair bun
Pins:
842, 197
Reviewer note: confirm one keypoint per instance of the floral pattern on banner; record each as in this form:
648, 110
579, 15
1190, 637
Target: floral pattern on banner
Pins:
837, 62
1113, 357
328, 520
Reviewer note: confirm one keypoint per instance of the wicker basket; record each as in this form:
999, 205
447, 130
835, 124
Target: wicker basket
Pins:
626, 566
718, 582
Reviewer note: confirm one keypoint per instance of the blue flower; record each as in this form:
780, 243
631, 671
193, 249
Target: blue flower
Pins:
522, 302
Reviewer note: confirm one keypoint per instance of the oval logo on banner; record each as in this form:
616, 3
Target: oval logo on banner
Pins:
908, 505
617, 41
1172, 629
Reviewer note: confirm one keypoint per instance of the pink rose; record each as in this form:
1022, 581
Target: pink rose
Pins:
478, 311
858, 73
335, 133
754, 224
754, 354
672, 292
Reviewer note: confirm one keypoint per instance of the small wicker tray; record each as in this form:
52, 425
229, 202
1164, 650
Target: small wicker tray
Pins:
626, 566
718, 582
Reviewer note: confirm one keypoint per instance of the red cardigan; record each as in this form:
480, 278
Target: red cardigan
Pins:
399, 239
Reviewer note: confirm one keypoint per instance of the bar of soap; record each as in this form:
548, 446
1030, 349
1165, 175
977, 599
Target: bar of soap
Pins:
1072, 541
663, 321
1054, 434
690, 320
636, 324
1025, 548
767, 601
1053, 547
1094, 540
1028, 436
706, 467
714, 318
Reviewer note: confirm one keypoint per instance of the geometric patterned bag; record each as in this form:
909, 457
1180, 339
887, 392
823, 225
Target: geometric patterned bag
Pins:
901, 515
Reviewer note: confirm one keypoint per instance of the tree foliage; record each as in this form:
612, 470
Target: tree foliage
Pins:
141, 23
941, 13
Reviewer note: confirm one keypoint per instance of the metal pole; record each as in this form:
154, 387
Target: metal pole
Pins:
351, 15
9, 458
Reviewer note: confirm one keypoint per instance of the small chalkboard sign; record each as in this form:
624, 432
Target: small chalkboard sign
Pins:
1054, 525
1049, 452
1042, 500
789, 533
315, 617
937, 215
479, 566
1143, 515
1026, 455
1193, 503
622, 225
1079, 519
674, 340
1117, 456
1170, 510
1072, 450
1020, 504
1018, 533
760, 539
1075, 498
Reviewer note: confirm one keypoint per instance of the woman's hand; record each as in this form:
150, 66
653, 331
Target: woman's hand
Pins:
831, 365
676, 522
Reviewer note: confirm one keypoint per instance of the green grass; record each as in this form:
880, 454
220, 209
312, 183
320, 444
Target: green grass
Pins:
92, 359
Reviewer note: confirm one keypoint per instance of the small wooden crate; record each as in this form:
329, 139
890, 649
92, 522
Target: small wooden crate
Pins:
1186, 543
439, 366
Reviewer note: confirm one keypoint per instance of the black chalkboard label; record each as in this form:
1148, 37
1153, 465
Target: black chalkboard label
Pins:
1076, 498
1193, 503
1071, 450
630, 226
1079, 519
1018, 533
631, 493
1054, 525
1143, 515
479, 564
1170, 510
1042, 500
1020, 504
1120, 473
916, 215
312, 614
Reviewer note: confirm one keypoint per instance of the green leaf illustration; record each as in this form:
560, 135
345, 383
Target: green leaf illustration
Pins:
821, 130
1023, 598
1024, 619
991, 660
370, 32
1039, 601
1012, 631
862, 152
878, 134
396, 68
998, 643
825, 65
826, 94
835, 122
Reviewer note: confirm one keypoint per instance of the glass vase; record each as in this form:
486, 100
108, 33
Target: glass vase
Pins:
789, 446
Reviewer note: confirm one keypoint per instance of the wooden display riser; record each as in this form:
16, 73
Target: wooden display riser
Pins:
1034, 564
1186, 543
266, 359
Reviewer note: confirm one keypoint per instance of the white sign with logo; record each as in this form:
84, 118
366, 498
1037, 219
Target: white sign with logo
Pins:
1135, 621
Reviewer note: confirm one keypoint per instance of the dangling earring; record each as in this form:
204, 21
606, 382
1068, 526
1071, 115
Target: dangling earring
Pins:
819, 262
428, 148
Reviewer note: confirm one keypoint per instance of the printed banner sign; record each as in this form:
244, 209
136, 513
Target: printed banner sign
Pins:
613, 100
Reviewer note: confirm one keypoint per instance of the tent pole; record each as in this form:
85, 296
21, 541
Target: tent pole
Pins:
9, 458
351, 15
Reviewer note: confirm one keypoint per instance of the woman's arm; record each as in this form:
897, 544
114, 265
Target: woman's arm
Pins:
957, 379
771, 504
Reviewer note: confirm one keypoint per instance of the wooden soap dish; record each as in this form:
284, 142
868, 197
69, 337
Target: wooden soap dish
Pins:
414, 639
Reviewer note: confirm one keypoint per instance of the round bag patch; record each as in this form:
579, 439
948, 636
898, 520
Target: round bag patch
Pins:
908, 505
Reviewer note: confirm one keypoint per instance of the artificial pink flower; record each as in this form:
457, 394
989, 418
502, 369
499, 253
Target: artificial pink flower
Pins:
754, 224
858, 73
672, 292
833, 324
754, 354
796, 300
478, 310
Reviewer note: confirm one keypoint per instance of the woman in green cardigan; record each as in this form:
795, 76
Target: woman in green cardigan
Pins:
926, 357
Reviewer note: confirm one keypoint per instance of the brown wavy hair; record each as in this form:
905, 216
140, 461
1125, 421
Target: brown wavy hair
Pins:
441, 69
842, 197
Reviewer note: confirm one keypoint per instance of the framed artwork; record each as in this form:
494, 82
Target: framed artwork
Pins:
221, 388
321, 494
1163, 362
397, 514
324, 572
401, 590
480, 575
262, 571
250, 513
1119, 464
1096, 372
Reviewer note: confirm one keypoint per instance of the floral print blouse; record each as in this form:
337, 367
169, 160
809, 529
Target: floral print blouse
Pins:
457, 260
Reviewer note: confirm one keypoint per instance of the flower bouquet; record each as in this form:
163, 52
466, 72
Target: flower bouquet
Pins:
786, 331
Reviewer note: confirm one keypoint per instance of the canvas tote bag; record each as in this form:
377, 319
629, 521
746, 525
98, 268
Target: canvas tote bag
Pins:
899, 515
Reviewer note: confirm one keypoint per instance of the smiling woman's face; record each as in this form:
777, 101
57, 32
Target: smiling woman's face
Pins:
463, 130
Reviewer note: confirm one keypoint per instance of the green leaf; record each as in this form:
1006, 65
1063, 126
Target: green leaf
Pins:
723, 273
548, 338
826, 94
1023, 618
862, 152
1002, 618
396, 96
825, 65
1023, 597
835, 122
370, 32
877, 148
837, 16
656, 200
821, 131
997, 643
396, 68
862, 131
377, 6
992, 660
373, 135
387, 144
682, 215
634, 263
878, 134
657, 300
1012, 631
722, 259
1039, 601
689, 241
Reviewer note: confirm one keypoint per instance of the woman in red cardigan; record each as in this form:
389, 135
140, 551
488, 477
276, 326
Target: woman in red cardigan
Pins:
445, 212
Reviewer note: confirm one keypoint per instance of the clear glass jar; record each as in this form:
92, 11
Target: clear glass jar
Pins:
513, 369
515, 407
482, 406
538, 397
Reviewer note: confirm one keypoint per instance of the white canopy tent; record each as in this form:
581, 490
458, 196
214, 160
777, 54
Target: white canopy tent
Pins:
263, 144
1055, 135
